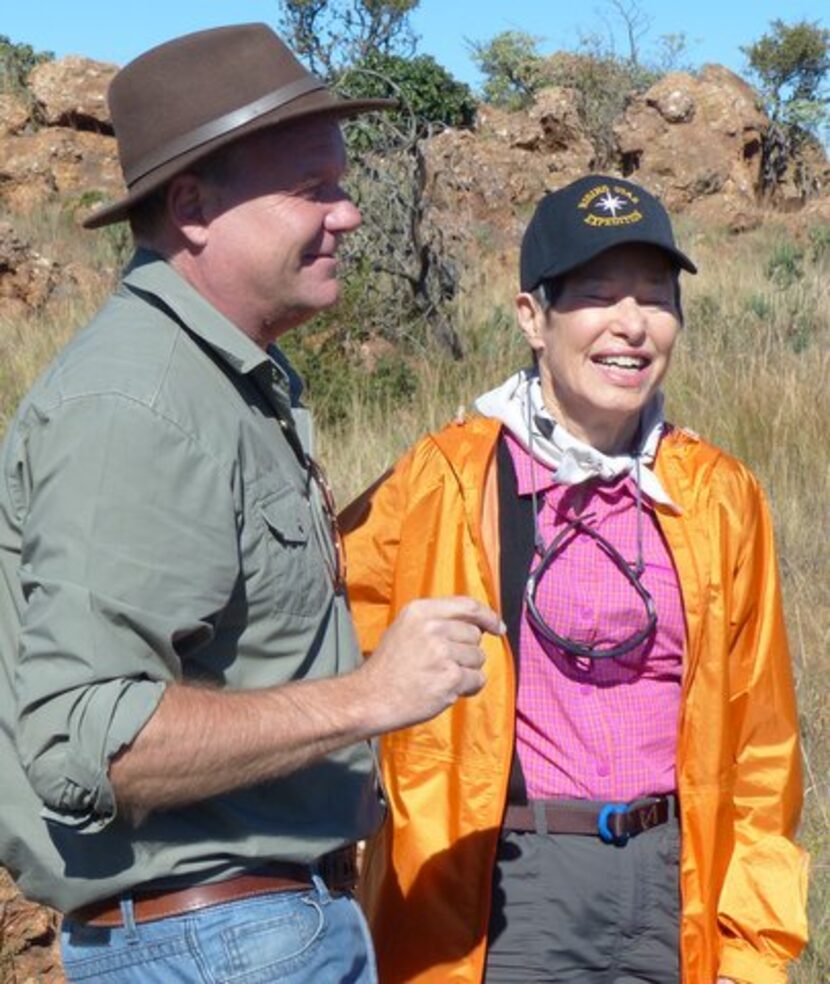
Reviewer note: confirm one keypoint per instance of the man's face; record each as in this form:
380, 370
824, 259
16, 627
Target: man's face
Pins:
275, 221
605, 345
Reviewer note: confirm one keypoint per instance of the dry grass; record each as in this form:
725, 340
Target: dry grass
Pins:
750, 373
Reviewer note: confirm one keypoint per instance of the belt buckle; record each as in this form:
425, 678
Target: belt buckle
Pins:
607, 817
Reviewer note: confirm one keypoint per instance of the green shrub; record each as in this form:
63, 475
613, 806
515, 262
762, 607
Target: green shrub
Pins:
16, 61
606, 83
512, 68
427, 92
819, 239
785, 266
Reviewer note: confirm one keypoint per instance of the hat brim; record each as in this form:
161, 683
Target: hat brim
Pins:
576, 260
318, 103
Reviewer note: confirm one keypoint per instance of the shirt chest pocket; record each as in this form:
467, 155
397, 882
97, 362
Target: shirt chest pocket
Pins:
296, 571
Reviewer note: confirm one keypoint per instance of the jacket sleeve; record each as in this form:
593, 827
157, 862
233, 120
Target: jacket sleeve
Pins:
371, 527
762, 905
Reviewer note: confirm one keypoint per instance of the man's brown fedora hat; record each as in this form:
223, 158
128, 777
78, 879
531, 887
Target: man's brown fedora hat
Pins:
177, 103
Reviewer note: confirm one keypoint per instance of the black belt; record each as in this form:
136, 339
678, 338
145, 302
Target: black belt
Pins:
613, 823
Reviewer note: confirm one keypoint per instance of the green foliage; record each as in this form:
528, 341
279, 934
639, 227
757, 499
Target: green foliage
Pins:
337, 375
759, 306
331, 35
515, 72
512, 68
672, 52
428, 94
791, 63
16, 61
785, 266
819, 239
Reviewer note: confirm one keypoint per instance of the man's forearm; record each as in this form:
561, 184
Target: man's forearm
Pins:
201, 742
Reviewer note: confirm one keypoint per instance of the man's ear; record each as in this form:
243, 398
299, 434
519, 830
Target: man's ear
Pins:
186, 206
531, 320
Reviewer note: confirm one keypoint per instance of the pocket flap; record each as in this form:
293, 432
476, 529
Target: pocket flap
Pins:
287, 516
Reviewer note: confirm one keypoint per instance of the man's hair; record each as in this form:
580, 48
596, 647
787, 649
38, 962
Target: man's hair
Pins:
147, 217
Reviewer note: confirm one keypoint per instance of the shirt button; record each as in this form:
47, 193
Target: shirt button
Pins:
603, 770
586, 689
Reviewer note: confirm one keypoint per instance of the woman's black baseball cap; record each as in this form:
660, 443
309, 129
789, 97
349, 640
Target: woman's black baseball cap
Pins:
592, 214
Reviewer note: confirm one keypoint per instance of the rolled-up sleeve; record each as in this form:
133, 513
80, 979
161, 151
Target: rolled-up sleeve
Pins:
129, 554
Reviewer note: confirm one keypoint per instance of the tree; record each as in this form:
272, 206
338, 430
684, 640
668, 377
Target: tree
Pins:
512, 67
427, 93
791, 63
636, 23
398, 280
332, 35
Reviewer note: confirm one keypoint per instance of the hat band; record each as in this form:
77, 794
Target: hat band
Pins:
221, 125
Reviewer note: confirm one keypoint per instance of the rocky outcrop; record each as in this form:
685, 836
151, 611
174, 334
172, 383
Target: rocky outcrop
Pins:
696, 141
56, 164
27, 279
29, 948
15, 113
484, 179
57, 145
72, 92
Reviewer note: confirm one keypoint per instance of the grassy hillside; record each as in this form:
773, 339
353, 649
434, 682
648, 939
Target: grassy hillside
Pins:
751, 373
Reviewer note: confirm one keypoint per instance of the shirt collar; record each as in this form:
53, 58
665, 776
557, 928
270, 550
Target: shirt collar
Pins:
536, 476
150, 273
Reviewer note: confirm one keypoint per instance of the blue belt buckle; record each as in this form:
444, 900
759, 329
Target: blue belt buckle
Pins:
606, 834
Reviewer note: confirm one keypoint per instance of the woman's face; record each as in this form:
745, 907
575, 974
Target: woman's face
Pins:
605, 345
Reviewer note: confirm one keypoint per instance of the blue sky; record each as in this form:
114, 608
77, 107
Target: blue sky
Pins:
715, 29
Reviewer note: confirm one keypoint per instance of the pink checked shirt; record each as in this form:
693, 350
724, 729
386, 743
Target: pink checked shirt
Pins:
598, 729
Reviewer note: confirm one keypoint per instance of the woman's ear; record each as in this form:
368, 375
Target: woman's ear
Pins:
531, 320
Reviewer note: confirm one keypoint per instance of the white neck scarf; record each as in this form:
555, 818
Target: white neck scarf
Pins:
519, 405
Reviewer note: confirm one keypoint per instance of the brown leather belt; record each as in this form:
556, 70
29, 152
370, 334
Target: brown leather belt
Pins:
337, 869
613, 823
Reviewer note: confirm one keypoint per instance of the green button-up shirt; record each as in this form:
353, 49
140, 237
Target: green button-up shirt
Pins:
158, 524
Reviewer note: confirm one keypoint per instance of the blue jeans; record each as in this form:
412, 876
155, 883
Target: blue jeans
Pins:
304, 937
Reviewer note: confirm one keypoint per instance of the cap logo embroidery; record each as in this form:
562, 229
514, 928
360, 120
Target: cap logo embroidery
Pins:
608, 205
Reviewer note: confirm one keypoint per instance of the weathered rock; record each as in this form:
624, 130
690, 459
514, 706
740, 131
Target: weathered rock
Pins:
689, 138
27, 279
30, 938
15, 113
480, 183
72, 92
57, 163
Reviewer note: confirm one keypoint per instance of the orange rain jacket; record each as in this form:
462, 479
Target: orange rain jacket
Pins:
429, 529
